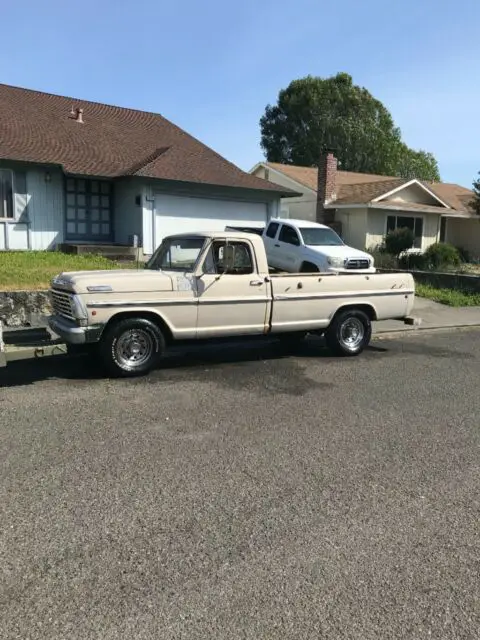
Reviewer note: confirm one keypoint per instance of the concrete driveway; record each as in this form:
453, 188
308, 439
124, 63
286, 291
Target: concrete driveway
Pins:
245, 493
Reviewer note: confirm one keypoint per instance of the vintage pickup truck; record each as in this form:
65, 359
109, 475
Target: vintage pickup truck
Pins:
216, 285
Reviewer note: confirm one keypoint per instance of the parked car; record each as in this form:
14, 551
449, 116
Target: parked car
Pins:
216, 285
302, 246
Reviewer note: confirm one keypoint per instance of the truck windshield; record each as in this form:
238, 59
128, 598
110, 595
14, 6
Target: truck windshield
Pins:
176, 254
315, 237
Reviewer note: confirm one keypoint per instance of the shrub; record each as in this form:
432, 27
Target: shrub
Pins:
442, 254
413, 261
465, 255
382, 259
398, 241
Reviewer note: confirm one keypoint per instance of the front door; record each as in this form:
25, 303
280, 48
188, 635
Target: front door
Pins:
235, 302
89, 210
288, 248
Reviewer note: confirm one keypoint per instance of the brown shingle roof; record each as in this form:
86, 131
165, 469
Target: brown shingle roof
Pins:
362, 188
112, 142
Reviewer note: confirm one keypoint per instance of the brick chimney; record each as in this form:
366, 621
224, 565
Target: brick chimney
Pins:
326, 187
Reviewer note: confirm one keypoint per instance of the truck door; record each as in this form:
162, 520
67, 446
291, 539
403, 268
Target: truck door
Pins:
288, 248
233, 301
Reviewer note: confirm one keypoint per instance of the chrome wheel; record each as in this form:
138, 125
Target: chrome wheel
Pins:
134, 348
352, 333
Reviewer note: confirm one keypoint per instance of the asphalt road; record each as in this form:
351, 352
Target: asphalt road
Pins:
242, 493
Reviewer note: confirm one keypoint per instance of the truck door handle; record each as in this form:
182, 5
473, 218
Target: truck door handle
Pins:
277, 245
256, 283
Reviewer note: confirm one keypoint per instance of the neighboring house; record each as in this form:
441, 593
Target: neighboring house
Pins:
80, 172
365, 207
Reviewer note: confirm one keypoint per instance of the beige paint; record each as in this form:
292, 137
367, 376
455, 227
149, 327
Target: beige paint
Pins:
203, 305
354, 226
464, 233
302, 207
413, 193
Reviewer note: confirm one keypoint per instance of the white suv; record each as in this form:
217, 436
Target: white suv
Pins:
303, 246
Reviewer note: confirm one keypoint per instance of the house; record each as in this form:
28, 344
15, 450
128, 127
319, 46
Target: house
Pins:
78, 172
365, 207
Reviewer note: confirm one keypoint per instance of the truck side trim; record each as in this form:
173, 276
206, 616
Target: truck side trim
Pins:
332, 296
142, 303
176, 302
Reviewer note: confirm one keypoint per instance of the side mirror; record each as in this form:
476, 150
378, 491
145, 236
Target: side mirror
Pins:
229, 255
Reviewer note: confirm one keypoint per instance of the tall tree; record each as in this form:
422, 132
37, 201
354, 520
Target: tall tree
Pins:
313, 112
476, 195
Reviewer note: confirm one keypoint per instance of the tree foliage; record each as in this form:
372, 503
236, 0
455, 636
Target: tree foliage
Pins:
476, 195
314, 113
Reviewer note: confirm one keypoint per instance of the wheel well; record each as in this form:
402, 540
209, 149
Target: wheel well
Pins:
366, 308
308, 264
147, 315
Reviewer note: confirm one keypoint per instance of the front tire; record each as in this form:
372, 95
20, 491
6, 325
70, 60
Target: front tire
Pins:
131, 347
349, 333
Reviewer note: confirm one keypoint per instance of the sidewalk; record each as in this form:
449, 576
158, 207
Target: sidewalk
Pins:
433, 316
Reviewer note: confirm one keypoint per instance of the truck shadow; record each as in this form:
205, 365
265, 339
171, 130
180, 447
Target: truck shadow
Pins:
184, 359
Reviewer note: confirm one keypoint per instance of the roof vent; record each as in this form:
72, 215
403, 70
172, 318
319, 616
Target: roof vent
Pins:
76, 114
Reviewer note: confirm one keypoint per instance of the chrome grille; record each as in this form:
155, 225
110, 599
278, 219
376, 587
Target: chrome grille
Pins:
61, 303
357, 263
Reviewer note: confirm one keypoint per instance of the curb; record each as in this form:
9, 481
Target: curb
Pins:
425, 329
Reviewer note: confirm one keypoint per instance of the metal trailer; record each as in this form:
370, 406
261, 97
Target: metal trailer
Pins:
31, 346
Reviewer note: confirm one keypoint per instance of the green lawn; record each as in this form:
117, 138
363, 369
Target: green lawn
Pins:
451, 297
35, 269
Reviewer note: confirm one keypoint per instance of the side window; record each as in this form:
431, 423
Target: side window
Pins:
272, 229
243, 259
289, 235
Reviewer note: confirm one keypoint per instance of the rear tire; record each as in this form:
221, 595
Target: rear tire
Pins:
349, 333
131, 347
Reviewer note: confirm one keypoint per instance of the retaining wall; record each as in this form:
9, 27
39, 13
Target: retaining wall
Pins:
457, 281
24, 308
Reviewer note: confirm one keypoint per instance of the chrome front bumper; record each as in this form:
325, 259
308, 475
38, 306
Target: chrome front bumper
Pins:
71, 333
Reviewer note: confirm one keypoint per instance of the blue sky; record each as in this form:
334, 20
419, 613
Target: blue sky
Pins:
212, 66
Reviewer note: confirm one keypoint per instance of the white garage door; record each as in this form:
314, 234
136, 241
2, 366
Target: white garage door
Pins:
175, 214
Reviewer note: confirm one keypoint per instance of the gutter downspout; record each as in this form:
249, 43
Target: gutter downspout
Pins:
151, 199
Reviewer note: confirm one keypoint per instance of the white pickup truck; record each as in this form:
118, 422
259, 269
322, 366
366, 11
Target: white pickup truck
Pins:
216, 285
303, 246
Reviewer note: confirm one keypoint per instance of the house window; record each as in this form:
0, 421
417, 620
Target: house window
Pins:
6, 193
443, 229
410, 222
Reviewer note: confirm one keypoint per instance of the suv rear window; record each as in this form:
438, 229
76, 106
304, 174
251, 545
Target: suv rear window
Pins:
272, 229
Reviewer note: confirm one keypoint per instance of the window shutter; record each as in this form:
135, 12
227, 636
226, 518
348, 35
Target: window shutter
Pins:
21, 196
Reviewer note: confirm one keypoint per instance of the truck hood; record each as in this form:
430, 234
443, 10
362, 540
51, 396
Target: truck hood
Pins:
116, 280
339, 251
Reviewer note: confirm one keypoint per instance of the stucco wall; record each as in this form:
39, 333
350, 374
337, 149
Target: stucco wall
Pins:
354, 226
464, 233
302, 207
413, 194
